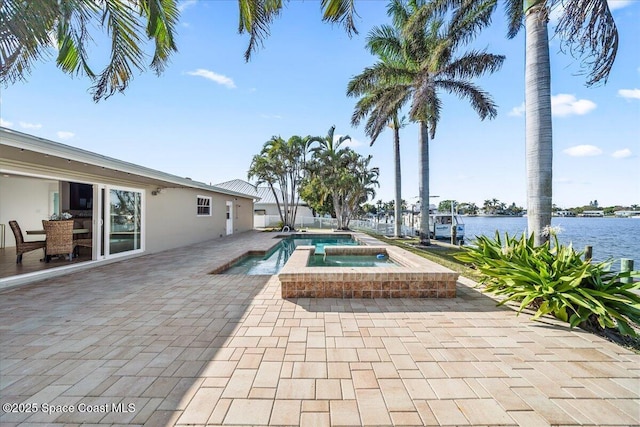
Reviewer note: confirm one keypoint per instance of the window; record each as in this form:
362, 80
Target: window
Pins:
204, 206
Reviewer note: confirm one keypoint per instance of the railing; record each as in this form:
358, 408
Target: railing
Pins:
301, 223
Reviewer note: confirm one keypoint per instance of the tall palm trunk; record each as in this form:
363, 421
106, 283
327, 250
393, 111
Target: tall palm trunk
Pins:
398, 193
423, 186
539, 140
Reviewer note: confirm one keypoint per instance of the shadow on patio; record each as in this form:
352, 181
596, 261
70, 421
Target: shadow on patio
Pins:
189, 348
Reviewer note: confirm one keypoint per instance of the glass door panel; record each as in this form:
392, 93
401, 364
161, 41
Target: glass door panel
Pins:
125, 220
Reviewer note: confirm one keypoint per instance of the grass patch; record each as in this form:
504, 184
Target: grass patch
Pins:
438, 252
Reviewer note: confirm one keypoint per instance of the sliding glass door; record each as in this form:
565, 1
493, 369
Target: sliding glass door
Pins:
124, 220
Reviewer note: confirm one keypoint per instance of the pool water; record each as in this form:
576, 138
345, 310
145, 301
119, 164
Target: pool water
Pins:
349, 261
272, 262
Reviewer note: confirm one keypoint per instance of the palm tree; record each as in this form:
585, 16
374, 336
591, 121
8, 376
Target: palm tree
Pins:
587, 29
359, 184
27, 27
420, 60
282, 163
327, 167
363, 108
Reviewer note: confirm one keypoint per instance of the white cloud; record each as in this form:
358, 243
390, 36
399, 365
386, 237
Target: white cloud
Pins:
629, 93
186, 4
583, 151
215, 77
621, 154
349, 142
618, 4
5, 123
65, 134
26, 125
517, 111
564, 104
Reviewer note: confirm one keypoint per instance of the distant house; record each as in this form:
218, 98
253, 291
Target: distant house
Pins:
128, 209
265, 209
593, 214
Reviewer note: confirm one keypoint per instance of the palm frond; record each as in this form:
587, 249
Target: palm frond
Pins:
589, 32
126, 49
480, 100
384, 42
162, 16
515, 16
473, 64
73, 35
255, 17
25, 28
341, 12
468, 19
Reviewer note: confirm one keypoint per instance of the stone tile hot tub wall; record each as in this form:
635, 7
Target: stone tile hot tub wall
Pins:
413, 277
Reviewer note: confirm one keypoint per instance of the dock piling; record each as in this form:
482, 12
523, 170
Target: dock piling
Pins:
626, 264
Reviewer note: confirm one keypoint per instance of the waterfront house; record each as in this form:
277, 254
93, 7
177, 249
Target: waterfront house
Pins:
593, 214
127, 209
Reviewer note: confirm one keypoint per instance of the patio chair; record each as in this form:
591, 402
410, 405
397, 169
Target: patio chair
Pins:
59, 238
82, 243
21, 245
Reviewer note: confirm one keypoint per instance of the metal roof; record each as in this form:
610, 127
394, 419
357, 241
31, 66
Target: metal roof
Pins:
240, 186
267, 198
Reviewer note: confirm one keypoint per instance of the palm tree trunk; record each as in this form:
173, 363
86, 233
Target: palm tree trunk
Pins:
398, 196
539, 138
337, 206
423, 185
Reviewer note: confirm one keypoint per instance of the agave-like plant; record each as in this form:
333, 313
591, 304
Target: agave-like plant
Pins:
556, 280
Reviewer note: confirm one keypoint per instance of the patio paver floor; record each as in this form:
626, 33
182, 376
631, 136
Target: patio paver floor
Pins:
155, 340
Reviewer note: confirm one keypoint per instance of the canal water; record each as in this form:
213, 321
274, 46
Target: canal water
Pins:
611, 238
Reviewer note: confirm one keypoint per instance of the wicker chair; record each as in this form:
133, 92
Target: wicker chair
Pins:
21, 245
82, 243
59, 238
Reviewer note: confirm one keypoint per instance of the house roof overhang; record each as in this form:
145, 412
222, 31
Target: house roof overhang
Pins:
20, 151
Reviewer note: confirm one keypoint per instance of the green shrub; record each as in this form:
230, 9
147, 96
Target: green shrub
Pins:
555, 280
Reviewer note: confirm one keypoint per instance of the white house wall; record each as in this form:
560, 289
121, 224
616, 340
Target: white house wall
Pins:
172, 220
170, 217
25, 200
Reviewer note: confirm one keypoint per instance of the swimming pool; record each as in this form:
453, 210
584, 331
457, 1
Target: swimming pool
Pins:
272, 262
350, 261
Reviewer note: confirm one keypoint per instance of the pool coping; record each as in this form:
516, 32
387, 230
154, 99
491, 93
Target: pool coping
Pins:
220, 269
413, 277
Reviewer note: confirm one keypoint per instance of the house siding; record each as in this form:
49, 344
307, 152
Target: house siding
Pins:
172, 220
35, 166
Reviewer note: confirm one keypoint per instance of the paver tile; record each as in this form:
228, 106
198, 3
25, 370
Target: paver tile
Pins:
405, 419
451, 388
447, 413
484, 412
285, 412
344, 413
190, 348
302, 388
315, 419
201, 406
371, 407
249, 412
364, 379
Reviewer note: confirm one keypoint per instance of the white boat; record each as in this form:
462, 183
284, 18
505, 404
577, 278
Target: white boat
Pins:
440, 224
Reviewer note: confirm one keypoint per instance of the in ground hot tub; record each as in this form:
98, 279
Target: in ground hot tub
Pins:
406, 275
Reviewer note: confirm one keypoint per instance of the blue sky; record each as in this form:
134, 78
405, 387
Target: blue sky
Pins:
210, 112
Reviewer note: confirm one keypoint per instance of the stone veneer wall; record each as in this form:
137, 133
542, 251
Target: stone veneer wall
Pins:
414, 277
